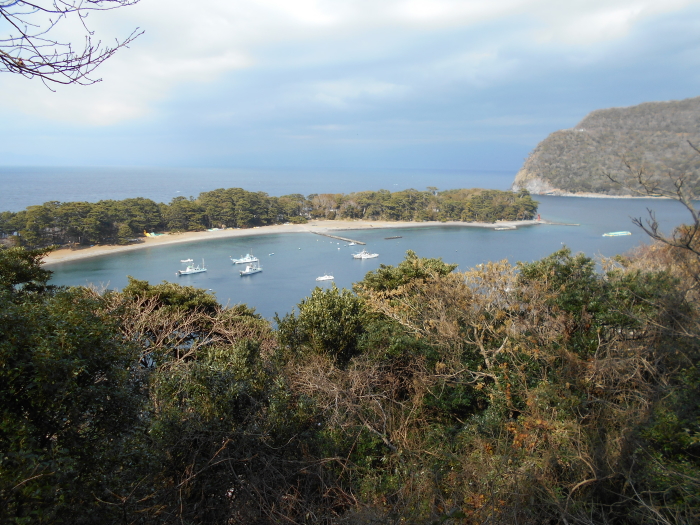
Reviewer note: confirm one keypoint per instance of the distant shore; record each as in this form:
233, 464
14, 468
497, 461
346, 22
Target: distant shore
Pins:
596, 195
65, 255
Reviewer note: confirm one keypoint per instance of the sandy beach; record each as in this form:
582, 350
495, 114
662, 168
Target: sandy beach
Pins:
316, 226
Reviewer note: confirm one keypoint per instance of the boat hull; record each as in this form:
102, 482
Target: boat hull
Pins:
364, 254
249, 258
616, 234
191, 272
192, 269
251, 269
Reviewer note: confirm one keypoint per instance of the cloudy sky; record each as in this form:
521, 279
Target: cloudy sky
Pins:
443, 84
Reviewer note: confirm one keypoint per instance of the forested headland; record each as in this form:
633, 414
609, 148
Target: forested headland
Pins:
121, 222
654, 137
542, 392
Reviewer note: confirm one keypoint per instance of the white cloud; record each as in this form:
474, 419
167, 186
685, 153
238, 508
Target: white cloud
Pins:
342, 93
583, 22
450, 12
193, 43
477, 68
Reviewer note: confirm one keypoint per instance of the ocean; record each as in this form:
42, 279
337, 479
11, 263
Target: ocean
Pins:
291, 262
26, 186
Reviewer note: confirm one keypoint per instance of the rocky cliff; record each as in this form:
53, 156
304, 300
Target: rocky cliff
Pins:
653, 136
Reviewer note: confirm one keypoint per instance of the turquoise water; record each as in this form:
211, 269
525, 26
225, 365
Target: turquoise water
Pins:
289, 274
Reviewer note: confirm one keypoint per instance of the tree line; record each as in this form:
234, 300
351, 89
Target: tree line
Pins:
121, 222
542, 392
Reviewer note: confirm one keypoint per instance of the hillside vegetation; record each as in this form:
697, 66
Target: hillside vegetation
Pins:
544, 392
652, 136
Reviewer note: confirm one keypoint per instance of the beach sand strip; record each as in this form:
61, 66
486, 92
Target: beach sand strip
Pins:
64, 255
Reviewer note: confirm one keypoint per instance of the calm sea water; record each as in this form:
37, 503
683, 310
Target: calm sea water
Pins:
291, 262
22, 187
289, 274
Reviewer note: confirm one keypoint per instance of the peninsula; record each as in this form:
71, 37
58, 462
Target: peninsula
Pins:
131, 222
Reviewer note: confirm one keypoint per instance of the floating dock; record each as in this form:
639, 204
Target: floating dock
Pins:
337, 237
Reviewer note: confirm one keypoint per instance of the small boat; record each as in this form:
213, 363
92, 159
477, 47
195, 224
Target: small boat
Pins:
186, 260
250, 269
364, 254
191, 268
351, 244
394, 237
616, 234
501, 228
249, 258
325, 278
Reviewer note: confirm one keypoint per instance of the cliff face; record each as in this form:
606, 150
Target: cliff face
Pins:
653, 136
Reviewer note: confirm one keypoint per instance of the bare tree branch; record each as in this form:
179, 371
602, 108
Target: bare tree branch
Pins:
30, 50
679, 188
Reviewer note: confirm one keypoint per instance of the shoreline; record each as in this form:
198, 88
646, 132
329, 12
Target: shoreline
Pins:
65, 255
597, 195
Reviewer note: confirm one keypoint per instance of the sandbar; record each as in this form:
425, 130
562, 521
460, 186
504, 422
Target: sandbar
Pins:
64, 255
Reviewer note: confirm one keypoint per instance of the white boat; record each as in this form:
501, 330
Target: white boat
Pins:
325, 278
351, 244
251, 268
186, 260
616, 234
249, 258
364, 254
191, 268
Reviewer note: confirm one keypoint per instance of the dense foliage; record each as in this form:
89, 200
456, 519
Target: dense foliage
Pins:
121, 222
544, 392
654, 137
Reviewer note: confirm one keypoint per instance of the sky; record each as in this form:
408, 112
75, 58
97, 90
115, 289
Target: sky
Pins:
351, 84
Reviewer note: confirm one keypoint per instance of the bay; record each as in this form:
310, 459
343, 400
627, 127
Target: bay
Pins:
289, 275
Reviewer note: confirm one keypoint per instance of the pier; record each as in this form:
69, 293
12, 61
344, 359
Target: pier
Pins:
337, 237
552, 223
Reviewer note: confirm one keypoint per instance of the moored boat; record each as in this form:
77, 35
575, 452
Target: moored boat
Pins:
616, 234
249, 258
191, 268
364, 254
251, 268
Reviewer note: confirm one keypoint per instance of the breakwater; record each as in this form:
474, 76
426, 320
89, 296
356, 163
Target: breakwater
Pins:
337, 237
